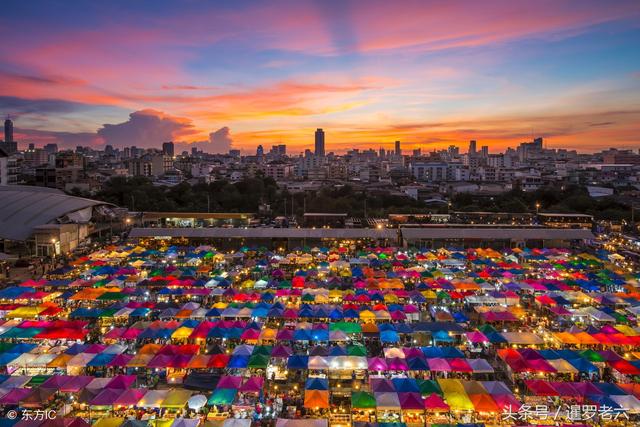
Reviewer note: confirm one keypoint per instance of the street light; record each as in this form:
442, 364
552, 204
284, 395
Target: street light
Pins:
53, 246
537, 207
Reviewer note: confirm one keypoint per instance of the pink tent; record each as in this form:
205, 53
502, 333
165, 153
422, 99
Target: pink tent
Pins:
377, 364
131, 334
130, 397
397, 364
435, 402
250, 334
115, 333
438, 364
540, 365
504, 401
229, 381
252, 385
477, 337
122, 382
459, 365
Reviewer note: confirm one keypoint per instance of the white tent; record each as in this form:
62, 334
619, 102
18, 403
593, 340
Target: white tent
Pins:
387, 401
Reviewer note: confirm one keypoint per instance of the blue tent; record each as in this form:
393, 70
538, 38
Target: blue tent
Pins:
389, 336
405, 385
298, 362
317, 384
238, 361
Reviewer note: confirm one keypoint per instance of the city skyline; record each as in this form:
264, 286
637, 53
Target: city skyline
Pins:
428, 74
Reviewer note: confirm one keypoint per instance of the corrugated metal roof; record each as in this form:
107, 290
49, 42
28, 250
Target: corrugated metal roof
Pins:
497, 233
267, 233
22, 208
368, 233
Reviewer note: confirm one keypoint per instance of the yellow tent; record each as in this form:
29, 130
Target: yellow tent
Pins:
367, 315
181, 333
25, 312
176, 399
109, 422
455, 395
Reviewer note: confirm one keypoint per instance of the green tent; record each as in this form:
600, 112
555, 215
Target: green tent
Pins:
38, 380
428, 387
21, 333
443, 295
263, 350
346, 327
258, 361
592, 355
356, 350
222, 396
112, 296
108, 312
487, 329
362, 400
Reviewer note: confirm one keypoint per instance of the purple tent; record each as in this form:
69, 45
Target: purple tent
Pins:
281, 351
122, 382
76, 384
411, 400
381, 385
15, 396
106, 397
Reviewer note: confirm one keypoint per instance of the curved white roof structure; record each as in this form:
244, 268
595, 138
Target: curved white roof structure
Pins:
22, 208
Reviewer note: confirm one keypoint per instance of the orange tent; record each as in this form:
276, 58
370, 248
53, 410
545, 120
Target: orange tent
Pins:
483, 403
60, 361
199, 361
316, 399
369, 328
150, 349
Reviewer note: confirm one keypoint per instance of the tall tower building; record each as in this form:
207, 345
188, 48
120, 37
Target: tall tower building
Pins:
260, 151
168, 149
398, 149
8, 130
319, 147
472, 147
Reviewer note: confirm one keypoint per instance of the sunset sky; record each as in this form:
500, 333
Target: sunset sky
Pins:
243, 73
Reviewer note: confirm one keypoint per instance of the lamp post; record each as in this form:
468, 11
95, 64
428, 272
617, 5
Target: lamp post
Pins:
537, 207
53, 247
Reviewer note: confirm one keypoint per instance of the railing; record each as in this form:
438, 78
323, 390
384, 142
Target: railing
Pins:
340, 420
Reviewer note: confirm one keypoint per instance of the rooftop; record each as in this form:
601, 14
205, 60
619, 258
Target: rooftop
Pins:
24, 208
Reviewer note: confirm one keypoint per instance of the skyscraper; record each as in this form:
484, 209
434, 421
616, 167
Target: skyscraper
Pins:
260, 151
9, 145
168, 148
8, 130
319, 148
472, 147
398, 150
